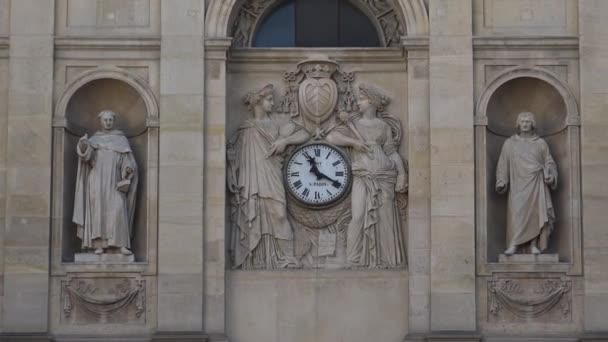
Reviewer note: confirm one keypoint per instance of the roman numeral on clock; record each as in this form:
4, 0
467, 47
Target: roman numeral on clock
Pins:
305, 192
317, 195
295, 174
336, 163
339, 174
317, 152
297, 184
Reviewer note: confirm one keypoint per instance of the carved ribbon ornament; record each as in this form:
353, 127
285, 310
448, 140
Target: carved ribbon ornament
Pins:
98, 306
506, 293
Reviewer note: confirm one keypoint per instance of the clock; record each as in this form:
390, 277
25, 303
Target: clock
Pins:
317, 174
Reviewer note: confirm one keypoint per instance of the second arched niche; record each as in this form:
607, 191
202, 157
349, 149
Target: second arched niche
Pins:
517, 95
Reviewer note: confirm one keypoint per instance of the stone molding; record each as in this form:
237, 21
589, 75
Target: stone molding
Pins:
4, 47
135, 81
220, 12
95, 48
525, 71
526, 43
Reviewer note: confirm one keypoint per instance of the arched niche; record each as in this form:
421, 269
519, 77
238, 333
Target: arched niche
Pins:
76, 114
539, 91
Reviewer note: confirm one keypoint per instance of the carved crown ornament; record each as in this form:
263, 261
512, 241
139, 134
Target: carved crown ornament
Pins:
383, 12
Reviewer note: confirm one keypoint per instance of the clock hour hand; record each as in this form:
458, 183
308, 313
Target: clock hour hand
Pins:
313, 165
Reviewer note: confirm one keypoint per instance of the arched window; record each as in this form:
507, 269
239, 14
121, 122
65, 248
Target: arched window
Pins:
316, 23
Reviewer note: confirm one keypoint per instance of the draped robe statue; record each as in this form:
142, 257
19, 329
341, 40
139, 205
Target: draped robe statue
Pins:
259, 216
374, 237
527, 169
106, 187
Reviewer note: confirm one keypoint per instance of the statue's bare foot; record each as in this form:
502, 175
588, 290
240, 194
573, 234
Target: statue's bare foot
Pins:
511, 250
535, 250
125, 251
99, 251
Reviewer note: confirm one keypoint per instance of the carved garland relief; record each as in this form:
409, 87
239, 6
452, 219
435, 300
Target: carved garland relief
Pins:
290, 172
252, 11
513, 300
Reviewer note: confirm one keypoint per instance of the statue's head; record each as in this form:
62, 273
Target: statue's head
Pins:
106, 117
526, 122
371, 96
263, 97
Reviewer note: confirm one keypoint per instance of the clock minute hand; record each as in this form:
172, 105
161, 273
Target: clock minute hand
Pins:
334, 182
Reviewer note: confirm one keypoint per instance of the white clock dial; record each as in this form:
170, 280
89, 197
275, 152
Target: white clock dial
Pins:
317, 174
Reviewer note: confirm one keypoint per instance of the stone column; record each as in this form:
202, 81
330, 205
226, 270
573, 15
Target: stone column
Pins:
419, 205
28, 167
594, 143
215, 187
180, 236
452, 166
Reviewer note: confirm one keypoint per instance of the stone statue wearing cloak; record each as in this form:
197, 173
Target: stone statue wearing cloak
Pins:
259, 216
106, 187
374, 237
526, 168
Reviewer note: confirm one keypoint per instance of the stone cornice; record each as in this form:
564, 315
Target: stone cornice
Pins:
526, 43
4, 45
91, 47
413, 43
294, 55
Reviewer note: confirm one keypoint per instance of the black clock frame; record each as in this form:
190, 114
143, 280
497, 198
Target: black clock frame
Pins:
334, 201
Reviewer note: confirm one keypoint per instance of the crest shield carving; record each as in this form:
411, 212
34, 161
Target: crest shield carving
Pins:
318, 98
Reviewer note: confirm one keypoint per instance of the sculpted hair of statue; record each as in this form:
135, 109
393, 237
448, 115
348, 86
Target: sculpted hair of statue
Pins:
254, 97
105, 113
528, 115
376, 96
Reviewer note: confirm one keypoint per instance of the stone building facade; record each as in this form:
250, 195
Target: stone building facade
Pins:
175, 72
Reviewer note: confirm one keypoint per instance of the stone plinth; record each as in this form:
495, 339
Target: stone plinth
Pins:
105, 258
529, 259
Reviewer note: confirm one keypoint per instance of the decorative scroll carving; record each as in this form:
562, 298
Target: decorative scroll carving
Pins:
252, 11
529, 298
102, 302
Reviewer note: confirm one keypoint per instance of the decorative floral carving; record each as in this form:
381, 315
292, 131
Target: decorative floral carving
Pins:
251, 11
100, 302
529, 301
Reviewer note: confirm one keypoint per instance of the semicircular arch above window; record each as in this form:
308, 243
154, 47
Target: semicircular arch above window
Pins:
317, 23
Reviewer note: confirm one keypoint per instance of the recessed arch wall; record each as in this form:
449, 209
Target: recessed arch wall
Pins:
563, 137
75, 113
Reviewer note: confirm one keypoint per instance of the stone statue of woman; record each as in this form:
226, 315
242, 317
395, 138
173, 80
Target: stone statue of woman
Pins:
374, 237
259, 218
106, 187
528, 171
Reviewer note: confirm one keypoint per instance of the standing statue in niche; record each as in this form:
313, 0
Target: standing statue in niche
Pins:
528, 171
259, 217
374, 237
106, 186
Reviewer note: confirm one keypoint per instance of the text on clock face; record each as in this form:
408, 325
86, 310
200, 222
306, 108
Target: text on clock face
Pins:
317, 174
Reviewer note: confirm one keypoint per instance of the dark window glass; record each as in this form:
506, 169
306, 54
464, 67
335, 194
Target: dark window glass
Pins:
355, 28
278, 29
316, 23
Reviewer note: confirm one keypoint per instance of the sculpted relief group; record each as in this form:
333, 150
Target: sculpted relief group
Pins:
316, 180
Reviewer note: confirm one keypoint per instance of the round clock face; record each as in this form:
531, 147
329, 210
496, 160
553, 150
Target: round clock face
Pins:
317, 174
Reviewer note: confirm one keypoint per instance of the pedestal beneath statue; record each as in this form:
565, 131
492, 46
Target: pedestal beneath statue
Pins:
105, 258
529, 258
